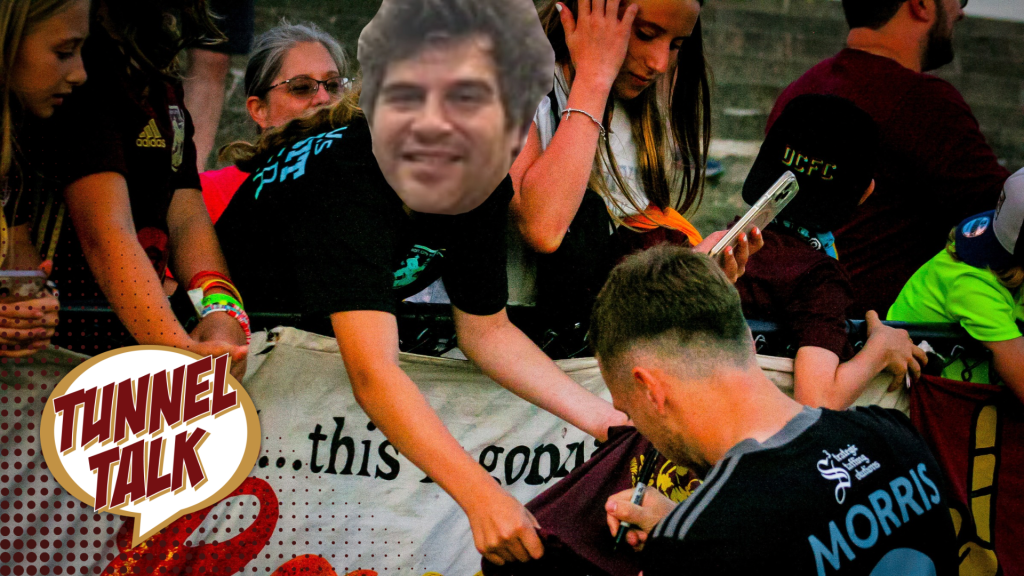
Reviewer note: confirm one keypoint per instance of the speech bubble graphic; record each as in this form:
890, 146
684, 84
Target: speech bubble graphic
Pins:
151, 432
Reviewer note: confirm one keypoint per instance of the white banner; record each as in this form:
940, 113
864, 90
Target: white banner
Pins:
329, 494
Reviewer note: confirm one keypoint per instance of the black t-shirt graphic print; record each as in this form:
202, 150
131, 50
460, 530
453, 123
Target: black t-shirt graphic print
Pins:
318, 230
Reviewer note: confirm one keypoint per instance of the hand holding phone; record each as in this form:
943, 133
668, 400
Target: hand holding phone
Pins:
761, 213
19, 285
28, 313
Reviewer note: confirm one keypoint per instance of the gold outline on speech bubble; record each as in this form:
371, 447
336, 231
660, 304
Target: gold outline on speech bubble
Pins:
50, 452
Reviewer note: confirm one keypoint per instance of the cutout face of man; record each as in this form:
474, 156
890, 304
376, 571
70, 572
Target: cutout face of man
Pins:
439, 129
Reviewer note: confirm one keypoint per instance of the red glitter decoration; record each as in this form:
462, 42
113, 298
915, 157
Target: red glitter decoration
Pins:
310, 565
167, 553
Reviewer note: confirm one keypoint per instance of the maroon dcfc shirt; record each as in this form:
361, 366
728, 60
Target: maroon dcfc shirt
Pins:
934, 170
803, 290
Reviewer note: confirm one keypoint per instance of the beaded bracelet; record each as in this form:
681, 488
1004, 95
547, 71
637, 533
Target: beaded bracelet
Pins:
234, 312
600, 126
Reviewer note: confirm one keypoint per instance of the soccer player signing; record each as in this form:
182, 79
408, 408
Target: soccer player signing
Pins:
787, 487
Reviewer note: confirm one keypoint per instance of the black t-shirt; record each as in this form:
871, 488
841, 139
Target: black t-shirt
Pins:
803, 290
122, 120
854, 492
318, 230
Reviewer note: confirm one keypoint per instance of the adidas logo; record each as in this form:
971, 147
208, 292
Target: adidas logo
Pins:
151, 137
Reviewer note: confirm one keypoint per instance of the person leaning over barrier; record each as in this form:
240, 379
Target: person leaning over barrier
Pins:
444, 123
42, 52
790, 488
798, 279
976, 282
124, 146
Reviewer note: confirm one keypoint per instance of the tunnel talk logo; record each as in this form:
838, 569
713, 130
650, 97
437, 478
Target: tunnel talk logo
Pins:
150, 432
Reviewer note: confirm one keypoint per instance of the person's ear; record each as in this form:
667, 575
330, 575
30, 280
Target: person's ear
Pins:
922, 10
867, 193
652, 386
258, 111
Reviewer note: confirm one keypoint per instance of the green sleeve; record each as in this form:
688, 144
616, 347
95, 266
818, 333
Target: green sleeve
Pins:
984, 308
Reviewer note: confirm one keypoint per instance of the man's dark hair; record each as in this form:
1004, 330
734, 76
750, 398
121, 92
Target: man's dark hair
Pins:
523, 58
669, 291
870, 13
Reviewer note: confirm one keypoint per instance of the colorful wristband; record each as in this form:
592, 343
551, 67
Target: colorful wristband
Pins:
221, 299
198, 279
234, 312
229, 287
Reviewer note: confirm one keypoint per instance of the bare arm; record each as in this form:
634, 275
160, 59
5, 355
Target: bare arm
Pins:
820, 380
511, 359
100, 210
194, 249
1008, 358
502, 529
194, 244
550, 184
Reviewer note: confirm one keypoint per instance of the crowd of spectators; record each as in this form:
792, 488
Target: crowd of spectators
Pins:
104, 191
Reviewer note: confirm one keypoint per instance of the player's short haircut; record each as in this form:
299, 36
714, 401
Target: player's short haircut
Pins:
670, 295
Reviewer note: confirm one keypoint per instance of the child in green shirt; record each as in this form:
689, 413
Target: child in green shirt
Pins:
976, 282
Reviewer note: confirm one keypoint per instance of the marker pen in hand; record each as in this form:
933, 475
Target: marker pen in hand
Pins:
646, 471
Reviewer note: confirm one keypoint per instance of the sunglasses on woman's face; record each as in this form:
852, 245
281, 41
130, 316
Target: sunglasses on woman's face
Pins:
963, 4
306, 87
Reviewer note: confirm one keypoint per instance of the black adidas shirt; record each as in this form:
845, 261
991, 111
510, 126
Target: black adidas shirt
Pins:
127, 122
318, 230
854, 492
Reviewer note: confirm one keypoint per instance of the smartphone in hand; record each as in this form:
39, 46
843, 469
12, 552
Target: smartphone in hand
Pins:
18, 285
767, 207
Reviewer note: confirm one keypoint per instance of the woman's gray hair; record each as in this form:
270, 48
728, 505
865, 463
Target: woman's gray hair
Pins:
523, 57
272, 46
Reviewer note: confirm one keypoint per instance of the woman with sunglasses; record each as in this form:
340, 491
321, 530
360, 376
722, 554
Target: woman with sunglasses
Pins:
293, 68
133, 205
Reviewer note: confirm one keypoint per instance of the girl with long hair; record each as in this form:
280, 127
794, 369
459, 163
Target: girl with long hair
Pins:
621, 142
42, 61
133, 196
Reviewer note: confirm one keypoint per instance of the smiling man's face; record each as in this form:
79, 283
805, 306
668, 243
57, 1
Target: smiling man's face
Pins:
440, 133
